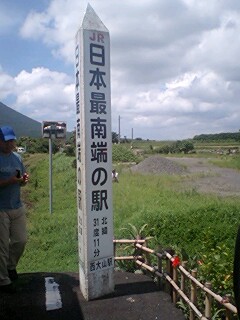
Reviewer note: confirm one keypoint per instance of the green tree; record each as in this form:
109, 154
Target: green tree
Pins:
186, 146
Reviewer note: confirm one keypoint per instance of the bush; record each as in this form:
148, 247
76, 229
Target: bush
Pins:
122, 154
184, 146
70, 151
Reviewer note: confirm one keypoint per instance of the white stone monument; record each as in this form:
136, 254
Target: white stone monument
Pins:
94, 157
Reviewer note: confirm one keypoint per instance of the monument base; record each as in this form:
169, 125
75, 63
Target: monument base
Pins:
96, 285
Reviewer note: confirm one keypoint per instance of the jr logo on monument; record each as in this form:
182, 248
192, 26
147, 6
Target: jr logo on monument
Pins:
94, 157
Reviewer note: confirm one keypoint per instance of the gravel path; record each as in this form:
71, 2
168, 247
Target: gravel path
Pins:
198, 174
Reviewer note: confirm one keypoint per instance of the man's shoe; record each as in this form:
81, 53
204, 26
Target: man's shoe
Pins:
13, 274
8, 288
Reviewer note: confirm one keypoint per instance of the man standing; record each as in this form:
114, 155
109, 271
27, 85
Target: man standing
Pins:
13, 234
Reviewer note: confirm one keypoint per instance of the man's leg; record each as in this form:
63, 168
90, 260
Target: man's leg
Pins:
18, 236
4, 247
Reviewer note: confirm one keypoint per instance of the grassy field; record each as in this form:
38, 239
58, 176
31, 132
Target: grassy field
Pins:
202, 227
52, 244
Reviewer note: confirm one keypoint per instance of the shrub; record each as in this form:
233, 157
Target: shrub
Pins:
122, 154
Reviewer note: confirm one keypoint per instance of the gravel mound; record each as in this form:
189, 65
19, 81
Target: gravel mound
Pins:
159, 165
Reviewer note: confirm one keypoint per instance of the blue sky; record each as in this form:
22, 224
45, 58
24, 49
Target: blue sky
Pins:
17, 52
175, 68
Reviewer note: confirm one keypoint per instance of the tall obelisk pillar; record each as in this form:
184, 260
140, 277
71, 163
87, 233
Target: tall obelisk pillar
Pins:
94, 157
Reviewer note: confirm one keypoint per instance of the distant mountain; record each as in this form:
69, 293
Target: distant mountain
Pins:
22, 125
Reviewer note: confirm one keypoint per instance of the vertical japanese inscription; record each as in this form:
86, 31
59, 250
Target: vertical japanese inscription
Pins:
78, 147
93, 148
99, 112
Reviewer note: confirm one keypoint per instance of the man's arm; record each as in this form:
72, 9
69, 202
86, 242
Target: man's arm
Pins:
11, 180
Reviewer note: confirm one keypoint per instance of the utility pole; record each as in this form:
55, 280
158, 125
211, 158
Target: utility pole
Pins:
119, 132
132, 140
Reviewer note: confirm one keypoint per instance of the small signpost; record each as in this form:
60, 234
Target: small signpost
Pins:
94, 157
52, 130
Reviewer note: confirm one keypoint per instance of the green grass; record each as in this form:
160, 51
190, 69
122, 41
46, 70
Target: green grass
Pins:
52, 243
190, 222
228, 162
180, 218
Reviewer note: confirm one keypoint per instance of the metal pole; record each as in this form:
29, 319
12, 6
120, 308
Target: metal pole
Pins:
50, 173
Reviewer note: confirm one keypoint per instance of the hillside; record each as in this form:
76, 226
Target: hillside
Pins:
23, 125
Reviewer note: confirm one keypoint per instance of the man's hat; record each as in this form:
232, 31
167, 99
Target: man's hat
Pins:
7, 133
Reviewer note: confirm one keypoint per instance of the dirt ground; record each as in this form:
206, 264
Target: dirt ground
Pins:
205, 177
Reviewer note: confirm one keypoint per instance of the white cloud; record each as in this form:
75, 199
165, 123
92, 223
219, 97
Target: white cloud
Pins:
45, 94
56, 26
6, 84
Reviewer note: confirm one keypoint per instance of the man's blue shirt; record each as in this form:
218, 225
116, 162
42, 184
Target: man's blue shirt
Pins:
10, 194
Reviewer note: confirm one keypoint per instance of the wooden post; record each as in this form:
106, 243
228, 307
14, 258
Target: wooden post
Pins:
147, 255
193, 297
208, 301
115, 252
138, 251
159, 265
228, 313
175, 279
183, 278
169, 269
